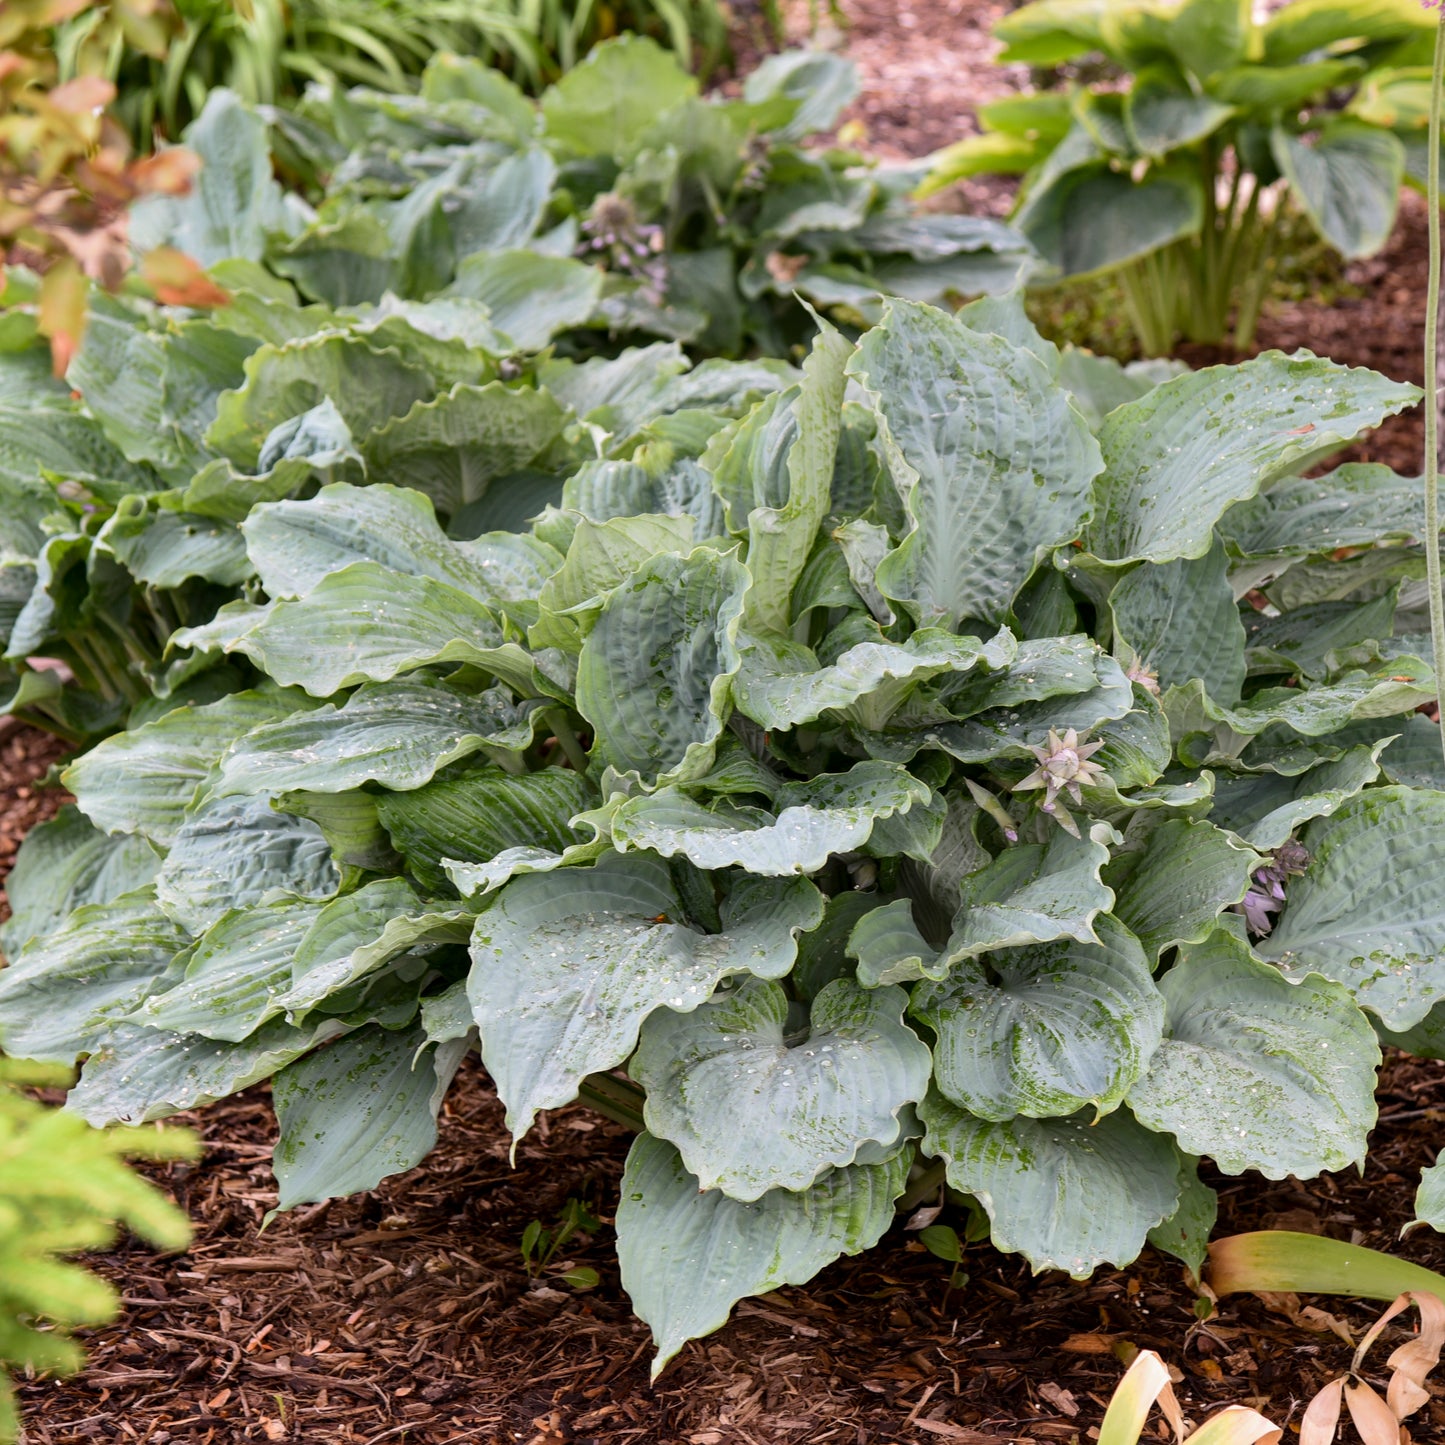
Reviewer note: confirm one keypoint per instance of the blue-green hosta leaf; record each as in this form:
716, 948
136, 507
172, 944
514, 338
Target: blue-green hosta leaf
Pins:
448, 1015
368, 387
139, 1074
1311, 640
367, 623
361, 1109
1161, 113
1043, 1031
232, 852
397, 734
992, 462
1347, 180
1055, 684
1414, 758
146, 780
781, 685
35, 440
654, 678
354, 936
454, 447
1067, 1194
163, 549
659, 486
50, 610
1176, 880
295, 545
1176, 459
1265, 808
531, 297
567, 965
688, 1257
59, 996
831, 813
1185, 1234
234, 975
1369, 911
1430, 1197
1098, 383
1030, 893
823, 86
235, 204
476, 817
351, 827
1180, 621
749, 1112
476, 879
1256, 1071
1356, 505
65, 863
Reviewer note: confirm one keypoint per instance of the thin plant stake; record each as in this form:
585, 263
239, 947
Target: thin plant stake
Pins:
1432, 389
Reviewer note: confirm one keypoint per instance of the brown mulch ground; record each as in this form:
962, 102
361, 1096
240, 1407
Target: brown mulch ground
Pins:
407, 1316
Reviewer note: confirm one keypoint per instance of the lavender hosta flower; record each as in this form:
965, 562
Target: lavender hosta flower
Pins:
1266, 896
1146, 677
1064, 767
614, 234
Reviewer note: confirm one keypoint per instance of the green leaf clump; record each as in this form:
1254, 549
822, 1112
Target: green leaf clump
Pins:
918, 760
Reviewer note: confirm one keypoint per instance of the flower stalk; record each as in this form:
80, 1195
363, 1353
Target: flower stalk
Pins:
1432, 381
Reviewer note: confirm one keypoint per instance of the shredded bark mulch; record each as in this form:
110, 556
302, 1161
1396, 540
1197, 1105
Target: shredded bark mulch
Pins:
25, 755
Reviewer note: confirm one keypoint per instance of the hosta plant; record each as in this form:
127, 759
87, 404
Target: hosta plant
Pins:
623, 203
974, 764
1174, 169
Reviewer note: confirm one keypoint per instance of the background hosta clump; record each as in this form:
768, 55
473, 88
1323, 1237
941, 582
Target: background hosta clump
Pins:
886, 765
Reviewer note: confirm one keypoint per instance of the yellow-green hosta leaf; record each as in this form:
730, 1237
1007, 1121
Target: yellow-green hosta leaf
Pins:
1177, 458
234, 975
1256, 1071
65, 863
231, 852
475, 817
991, 461
138, 1074
1307, 25
1175, 880
1347, 180
688, 1257
567, 965
1049, 32
146, 780
1265, 808
655, 674
750, 1111
1044, 1030
397, 733
1368, 911
831, 813
61, 993
782, 685
1180, 621
358, 1111
1030, 893
1068, 1194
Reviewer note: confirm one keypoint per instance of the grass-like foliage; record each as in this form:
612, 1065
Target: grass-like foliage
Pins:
954, 758
1174, 166
65, 1187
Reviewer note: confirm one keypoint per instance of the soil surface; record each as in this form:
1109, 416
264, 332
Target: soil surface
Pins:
406, 1315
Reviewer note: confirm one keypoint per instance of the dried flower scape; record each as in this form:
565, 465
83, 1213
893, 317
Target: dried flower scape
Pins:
679, 760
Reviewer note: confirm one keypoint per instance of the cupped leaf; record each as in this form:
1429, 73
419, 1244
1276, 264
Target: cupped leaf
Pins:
1369, 912
398, 734
1067, 1194
1177, 458
234, 974
1030, 893
1347, 180
567, 965
992, 463
831, 813
654, 678
751, 1109
1161, 113
138, 1074
1256, 1071
60, 994
687, 1257
361, 1109
232, 852
1046, 1030
1175, 880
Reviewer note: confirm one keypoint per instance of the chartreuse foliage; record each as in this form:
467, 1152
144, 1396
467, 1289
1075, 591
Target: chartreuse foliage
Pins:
64, 1187
895, 773
1177, 179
